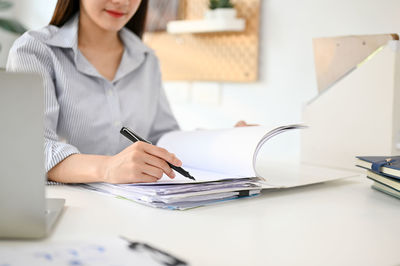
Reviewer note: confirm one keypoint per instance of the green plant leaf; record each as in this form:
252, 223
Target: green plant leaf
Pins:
225, 4
213, 4
5, 5
12, 26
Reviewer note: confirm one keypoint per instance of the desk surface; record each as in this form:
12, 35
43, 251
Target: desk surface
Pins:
343, 222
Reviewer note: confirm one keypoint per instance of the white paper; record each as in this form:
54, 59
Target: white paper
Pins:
228, 151
199, 175
103, 252
286, 175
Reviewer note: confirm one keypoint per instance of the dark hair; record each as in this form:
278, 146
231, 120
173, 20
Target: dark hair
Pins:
65, 9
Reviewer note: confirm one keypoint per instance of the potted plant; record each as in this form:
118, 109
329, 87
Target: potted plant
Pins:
225, 10
10, 29
210, 12
220, 9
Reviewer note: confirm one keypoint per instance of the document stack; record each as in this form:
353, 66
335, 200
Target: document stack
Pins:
183, 196
384, 171
223, 162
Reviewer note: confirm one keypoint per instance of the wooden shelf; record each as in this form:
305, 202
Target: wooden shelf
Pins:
206, 26
202, 52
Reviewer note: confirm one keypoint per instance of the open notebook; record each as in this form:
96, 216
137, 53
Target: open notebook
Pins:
211, 155
226, 166
234, 153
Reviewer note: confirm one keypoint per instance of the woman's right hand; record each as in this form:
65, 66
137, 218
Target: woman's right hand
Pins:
139, 163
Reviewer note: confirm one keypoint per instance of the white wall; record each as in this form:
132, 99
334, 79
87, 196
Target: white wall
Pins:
287, 78
6, 38
31, 13
34, 14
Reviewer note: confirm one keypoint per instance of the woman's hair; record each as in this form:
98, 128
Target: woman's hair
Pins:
65, 9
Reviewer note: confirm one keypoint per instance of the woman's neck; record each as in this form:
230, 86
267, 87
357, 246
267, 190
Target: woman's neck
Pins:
91, 35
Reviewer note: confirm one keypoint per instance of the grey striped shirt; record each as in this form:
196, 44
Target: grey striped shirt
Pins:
84, 111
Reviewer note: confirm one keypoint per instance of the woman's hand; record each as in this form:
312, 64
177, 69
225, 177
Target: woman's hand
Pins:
140, 162
242, 123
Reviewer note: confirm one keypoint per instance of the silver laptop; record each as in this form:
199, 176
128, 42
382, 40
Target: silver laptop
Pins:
24, 211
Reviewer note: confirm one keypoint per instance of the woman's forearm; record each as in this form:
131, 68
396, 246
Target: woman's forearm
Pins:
80, 168
138, 163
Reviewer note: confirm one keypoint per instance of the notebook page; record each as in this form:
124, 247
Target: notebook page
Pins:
200, 175
227, 151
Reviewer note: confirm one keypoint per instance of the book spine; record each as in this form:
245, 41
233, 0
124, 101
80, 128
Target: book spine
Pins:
396, 99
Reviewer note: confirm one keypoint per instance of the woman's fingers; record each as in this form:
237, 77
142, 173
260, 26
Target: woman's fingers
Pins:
140, 162
155, 171
242, 123
144, 178
160, 153
158, 163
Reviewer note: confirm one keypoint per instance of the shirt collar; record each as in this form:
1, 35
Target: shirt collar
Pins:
134, 53
133, 56
67, 35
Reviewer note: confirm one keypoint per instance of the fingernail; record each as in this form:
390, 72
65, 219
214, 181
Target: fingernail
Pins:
173, 174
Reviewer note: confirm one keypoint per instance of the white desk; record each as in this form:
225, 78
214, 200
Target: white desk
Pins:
343, 222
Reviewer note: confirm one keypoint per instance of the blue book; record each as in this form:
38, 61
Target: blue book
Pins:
386, 189
384, 165
393, 183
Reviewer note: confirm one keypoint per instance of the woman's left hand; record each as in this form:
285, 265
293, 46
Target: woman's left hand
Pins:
242, 123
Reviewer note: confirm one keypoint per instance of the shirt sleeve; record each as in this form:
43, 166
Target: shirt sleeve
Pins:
164, 121
31, 55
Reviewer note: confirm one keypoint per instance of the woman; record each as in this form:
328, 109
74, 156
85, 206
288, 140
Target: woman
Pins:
98, 76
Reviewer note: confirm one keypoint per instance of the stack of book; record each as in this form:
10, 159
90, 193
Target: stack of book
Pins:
384, 171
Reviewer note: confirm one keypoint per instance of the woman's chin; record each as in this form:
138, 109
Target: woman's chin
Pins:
112, 27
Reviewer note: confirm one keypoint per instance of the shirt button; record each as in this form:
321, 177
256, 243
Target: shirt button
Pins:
117, 123
109, 92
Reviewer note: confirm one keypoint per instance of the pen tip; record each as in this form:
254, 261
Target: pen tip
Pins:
188, 175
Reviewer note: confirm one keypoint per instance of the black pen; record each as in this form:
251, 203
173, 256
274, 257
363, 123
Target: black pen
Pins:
132, 136
162, 257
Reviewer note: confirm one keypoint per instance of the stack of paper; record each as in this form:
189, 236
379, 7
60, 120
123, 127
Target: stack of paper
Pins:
224, 165
181, 196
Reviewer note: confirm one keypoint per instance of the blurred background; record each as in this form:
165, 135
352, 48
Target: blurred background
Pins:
286, 78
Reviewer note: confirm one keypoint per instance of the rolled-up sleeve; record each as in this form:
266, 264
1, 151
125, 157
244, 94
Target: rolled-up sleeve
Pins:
31, 55
164, 121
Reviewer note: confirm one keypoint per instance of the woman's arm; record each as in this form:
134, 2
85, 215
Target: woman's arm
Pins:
79, 168
29, 54
140, 162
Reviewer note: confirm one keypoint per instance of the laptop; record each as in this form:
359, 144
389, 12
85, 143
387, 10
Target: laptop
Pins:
24, 210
